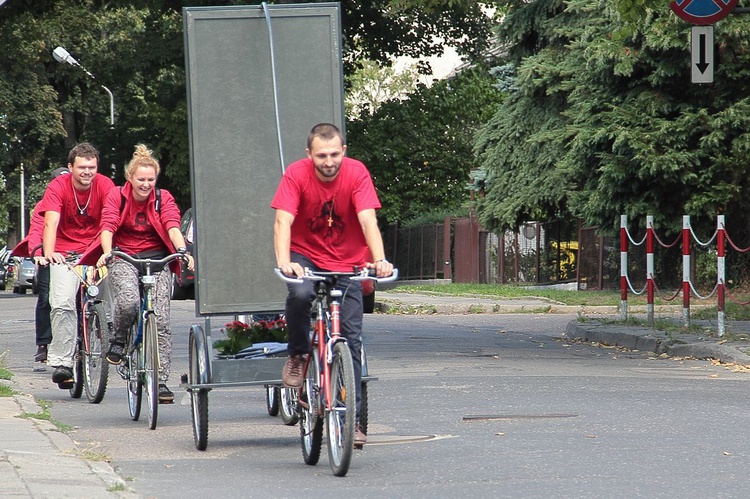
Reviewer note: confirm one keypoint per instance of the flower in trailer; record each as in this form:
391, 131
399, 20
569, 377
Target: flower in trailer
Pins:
240, 335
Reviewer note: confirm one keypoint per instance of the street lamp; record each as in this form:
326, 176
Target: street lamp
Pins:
61, 55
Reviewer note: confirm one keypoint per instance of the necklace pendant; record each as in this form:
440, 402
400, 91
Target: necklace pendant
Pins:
330, 221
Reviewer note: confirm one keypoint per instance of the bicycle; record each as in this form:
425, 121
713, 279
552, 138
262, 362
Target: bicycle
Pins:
328, 393
141, 364
90, 368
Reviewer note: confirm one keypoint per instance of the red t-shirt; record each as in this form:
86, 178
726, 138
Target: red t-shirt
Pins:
326, 228
136, 233
79, 215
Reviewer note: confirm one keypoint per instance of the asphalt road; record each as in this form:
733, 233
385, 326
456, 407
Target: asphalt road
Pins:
465, 405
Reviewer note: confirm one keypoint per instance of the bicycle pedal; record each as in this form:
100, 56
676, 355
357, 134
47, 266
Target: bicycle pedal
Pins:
122, 370
65, 385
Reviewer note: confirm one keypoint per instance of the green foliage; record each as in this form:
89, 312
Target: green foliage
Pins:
419, 149
602, 126
433, 217
373, 84
135, 49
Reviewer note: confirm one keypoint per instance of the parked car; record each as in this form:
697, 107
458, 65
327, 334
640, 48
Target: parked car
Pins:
3, 276
24, 271
183, 283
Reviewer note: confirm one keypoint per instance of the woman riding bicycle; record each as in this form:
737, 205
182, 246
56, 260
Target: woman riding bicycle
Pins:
143, 222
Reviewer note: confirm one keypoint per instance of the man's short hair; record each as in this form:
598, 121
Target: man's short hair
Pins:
325, 131
83, 150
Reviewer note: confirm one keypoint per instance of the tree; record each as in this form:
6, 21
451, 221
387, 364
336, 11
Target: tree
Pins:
374, 84
602, 126
419, 150
136, 50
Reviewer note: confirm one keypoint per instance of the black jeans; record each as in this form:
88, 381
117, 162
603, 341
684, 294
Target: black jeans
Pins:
298, 305
41, 318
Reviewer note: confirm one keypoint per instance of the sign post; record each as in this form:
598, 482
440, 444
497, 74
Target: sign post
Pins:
702, 52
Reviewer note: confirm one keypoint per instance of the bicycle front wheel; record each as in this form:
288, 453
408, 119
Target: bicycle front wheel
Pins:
151, 369
311, 424
341, 416
77, 389
95, 366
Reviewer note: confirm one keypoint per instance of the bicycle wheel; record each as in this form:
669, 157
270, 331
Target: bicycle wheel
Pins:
311, 424
77, 389
363, 416
198, 396
151, 369
288, 406
272, 400
341, 417
95, 366
134, 383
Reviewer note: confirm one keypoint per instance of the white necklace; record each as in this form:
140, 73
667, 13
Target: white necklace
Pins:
75, 197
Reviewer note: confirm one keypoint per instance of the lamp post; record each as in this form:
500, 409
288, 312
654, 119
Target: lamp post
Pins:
61, 55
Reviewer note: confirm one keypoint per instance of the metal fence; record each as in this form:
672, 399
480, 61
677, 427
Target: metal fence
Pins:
539, 253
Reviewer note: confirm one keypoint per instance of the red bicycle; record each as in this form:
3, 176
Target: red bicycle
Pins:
328, 393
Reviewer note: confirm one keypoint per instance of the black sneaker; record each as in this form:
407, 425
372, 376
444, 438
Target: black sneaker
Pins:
165, 394
41, 354
116, 353
62, 375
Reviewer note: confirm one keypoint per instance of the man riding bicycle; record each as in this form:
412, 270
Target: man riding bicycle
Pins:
325, 220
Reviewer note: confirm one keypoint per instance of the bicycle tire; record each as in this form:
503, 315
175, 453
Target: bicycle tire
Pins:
151, 369
272, 400
198, 398
363, 407
134, 384
341, 417
95, 366
77, 389
311, 424
288, 406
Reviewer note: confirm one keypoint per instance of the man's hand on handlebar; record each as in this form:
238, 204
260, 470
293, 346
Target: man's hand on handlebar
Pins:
56, 257
383, 268
292, 269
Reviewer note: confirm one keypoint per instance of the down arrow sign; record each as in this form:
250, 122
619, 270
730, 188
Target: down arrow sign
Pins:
702, 54
702, 64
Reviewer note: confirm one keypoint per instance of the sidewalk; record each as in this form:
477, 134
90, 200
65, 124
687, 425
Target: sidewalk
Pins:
39, 461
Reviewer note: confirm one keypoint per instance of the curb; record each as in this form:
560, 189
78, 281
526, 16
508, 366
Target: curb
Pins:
648, 340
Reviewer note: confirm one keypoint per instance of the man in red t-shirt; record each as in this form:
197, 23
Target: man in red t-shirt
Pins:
72, 207
32, 244
325, 220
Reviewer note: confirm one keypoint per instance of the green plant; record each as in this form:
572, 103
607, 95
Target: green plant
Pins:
240, 335
44, 415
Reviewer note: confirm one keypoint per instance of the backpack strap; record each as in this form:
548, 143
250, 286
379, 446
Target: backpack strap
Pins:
157, 203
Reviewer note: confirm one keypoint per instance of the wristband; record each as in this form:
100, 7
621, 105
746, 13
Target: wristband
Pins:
181, 249
382, 260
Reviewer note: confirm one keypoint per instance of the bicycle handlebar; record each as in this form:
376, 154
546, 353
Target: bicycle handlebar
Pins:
319, 275
147, 261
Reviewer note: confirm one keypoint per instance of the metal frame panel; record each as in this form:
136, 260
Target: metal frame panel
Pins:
237, 151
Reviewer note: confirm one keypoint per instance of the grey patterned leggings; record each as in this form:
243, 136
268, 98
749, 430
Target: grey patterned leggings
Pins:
124, 282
